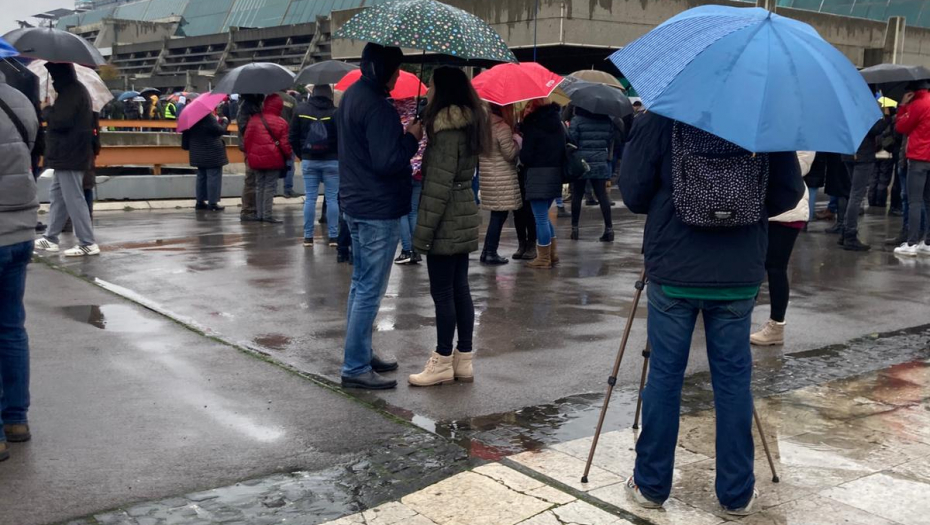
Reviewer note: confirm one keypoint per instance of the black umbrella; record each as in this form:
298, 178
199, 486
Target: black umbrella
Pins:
54, 45
328, 72
599, 99
259, 78
892, 79
149, 91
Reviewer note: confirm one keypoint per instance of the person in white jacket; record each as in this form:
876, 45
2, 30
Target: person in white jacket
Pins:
783, 233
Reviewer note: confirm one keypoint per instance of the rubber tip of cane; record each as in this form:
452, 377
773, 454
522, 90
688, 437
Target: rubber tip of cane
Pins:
635, 427
584, 479
775, 479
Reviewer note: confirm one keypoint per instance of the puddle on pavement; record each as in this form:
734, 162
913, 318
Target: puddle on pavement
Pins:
113, 317
273, 341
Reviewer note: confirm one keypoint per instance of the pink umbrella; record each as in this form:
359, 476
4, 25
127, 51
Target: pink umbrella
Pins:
198, 109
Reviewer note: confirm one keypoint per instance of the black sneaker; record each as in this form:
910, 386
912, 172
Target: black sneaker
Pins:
249, 218
201, 206
216, 207
333, 242
308, 242
343, 257
416, 258
272, 220
40, 228
405, 257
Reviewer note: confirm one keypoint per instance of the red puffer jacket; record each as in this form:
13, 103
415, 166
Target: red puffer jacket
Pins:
914, 121
260, 149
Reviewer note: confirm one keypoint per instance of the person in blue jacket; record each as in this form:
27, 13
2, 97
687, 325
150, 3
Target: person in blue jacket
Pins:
374, 191
713, 271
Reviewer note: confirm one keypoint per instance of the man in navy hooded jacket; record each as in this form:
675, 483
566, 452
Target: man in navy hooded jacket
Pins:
374, 192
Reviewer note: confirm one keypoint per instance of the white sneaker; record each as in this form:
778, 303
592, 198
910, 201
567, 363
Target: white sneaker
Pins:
909, 250
748, 509
82, 251
46, 245
923, 248
633, 491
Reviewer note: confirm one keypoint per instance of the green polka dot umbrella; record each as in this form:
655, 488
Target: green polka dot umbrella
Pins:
428, 25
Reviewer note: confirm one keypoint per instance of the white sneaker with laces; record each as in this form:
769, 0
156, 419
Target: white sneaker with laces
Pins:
633, 491
923, 248
748, 509
909, 250
83, 251
46, 245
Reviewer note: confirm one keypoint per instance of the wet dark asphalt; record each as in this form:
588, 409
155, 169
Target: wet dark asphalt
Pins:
128, 406
540, 336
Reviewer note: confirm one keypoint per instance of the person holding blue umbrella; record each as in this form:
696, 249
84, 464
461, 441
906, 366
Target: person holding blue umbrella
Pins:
732, 94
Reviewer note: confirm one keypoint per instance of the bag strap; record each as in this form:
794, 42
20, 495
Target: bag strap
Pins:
16, 122
277, 143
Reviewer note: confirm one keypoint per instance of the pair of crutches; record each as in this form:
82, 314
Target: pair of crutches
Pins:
612, 381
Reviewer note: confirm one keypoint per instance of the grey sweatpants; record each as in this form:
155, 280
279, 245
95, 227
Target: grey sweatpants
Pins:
266, 185
859, 173
67, 199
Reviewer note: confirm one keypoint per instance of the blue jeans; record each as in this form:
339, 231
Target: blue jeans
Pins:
545, 232
373, 246
408, 223
209, 185
289, 176
812, 193
670, 327
315, 172
14, 343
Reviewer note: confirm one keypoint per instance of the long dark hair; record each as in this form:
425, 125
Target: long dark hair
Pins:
452, 88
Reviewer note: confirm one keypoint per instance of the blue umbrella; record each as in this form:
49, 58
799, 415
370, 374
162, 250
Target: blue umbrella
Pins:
127, 95
762, 81
6, 50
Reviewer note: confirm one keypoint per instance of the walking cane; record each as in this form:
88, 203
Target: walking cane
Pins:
612, 380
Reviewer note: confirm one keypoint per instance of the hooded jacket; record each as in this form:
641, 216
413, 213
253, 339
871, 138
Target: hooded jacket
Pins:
266, 151
374, 151
543, 153
500, 185
315, 109
18, 203
914, 121
205, 143
447, 221
677, 254
70, 123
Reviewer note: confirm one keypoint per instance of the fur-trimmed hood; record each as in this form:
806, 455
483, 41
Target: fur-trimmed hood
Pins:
453, 117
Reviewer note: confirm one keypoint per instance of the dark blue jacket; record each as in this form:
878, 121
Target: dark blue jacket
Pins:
374, 154
593, 134
677, 254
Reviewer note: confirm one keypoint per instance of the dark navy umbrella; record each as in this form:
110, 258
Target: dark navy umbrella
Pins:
892, 79
328, 72
599, 99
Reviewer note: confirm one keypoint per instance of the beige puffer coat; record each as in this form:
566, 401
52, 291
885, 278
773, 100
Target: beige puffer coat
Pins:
500, 188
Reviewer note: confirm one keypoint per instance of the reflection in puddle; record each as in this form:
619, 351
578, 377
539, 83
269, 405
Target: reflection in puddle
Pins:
113, 317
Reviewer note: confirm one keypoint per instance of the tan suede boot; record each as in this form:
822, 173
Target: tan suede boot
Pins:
4, 451
543, 260
772, 334
462, 366
17, 433
555, 252
438, 371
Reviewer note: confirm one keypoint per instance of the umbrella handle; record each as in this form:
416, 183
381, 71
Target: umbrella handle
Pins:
420, 87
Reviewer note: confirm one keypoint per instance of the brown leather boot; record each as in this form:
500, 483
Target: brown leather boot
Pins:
543, 260
555, 252
17, 433
462, 366
438, 371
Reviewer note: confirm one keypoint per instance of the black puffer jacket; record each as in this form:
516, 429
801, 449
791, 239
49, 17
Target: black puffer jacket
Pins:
70, 123
594, 135
869, 146
205, 143
315, 109
543, 153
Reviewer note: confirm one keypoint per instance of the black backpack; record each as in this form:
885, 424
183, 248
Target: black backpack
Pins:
715, 183
321, 137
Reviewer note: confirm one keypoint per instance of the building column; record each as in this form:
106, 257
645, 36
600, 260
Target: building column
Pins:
894, 40
771, 5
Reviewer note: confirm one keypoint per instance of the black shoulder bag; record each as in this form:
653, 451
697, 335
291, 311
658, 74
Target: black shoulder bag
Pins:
17, 123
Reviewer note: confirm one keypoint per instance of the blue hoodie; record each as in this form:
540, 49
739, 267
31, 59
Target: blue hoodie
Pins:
374, 151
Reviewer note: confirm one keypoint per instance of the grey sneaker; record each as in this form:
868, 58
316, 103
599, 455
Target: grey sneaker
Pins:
633, 492
748, 509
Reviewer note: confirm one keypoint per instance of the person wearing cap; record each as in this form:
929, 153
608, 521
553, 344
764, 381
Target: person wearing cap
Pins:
374, 191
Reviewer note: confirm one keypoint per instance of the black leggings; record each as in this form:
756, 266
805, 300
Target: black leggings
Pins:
781, 244
448, 284
492, 238
523, 220
600, 191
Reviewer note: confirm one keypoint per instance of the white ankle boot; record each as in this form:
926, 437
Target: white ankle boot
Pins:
772, 334
438, 371
462, 366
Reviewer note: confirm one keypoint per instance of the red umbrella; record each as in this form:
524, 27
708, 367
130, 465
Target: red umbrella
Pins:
511, 83
408, 85
198, 109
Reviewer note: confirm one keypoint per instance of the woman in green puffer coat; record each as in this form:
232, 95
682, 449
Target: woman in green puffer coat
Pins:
447, 225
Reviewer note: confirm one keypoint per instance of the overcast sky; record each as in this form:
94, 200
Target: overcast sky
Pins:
13, 10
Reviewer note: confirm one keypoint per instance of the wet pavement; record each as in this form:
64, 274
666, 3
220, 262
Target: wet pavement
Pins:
277, 442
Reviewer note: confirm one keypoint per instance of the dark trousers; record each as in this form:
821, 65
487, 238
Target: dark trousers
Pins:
523, 220
492, 239
248, 193
448, 285
600, 191
860, 173
209, 185
345, 236
781, 244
